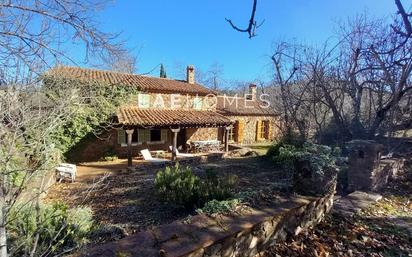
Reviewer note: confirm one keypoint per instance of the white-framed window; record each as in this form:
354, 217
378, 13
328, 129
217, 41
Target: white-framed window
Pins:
143, 100
197, 103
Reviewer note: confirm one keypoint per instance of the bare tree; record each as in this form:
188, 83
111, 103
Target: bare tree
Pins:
125, 62
363, 80
213, 77
252, 26
35, 35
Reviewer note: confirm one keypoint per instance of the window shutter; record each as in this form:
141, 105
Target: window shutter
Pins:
236, 131
163, 135
197, 103
240, 131
258, 129
121, 136
144, 135
144, 100
269, 130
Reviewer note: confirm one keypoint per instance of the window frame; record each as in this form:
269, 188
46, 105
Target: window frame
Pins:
144, 100
198, 103
231, 133
263, 129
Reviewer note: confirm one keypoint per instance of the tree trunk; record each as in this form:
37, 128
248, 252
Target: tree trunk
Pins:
3, 235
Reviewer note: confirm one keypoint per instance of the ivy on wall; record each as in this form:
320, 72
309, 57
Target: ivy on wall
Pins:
92, 110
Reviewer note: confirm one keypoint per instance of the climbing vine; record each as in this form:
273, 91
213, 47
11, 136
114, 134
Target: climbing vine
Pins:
92, 109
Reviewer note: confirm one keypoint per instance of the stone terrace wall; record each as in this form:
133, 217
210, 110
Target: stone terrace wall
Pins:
236, 236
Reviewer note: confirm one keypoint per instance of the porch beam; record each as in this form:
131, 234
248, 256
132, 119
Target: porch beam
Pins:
174, 146
129, 133
227, 138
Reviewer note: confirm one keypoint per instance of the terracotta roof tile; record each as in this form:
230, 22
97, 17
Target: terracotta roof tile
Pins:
145, 83
229, 105
131, 115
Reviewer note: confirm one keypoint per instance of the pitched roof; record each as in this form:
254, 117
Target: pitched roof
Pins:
145, 83
233, 105
132, 115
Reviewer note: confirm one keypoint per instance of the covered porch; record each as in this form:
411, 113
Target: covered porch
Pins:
177, 128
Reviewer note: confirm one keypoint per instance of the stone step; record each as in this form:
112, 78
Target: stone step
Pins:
355, 202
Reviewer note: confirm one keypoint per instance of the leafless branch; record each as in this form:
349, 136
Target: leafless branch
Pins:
253, 25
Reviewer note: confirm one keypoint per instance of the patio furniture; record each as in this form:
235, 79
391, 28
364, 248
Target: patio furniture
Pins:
66, 170
148, 157
160, 154
178, 154
206, 145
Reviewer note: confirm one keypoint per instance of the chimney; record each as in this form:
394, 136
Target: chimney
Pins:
190, 75
252, 92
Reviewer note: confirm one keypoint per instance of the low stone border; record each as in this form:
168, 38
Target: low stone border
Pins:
240, 235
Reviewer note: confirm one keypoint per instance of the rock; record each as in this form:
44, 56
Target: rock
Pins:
242, 152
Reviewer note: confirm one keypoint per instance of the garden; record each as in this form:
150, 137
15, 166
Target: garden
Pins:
119, 202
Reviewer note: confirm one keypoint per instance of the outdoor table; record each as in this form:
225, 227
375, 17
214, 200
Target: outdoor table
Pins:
206, 145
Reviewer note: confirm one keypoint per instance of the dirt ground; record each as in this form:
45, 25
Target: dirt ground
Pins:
385, 229
127, 198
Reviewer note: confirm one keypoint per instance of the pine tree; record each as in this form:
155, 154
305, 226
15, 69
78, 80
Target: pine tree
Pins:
162, 71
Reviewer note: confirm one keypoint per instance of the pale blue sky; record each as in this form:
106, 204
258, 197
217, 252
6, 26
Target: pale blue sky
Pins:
195, 32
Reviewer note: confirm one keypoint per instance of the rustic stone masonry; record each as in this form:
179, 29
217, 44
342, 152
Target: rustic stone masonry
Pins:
237, 235
367, 171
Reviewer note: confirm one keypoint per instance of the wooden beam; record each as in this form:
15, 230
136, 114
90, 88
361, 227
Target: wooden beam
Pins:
174, 146
129, 133
227, 139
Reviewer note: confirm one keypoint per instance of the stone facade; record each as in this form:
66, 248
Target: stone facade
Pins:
109, 142
193, 134
240, 235
245, 129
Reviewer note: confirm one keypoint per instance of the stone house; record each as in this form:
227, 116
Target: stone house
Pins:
254, 119
173, 113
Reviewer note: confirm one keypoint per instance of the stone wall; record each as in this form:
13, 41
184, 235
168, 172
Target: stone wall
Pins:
238, 235
367, 171
193, 134
249, 128
96, 147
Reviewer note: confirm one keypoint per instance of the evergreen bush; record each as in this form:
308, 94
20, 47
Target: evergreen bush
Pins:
57, 227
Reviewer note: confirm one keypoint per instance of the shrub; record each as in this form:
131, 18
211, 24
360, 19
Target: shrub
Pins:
215, 187
180, 186
109, 155
314, 166
215, 207
177, 185
287, 141
59, 228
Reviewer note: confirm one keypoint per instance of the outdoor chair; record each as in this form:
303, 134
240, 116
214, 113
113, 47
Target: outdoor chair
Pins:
66, 170
178, 154
148, 157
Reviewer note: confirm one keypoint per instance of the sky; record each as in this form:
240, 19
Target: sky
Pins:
181, 32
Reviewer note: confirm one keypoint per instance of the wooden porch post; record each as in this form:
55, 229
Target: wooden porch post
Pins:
129, 133
227, 139
174, 146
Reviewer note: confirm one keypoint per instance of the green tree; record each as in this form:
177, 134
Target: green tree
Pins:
162, 71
